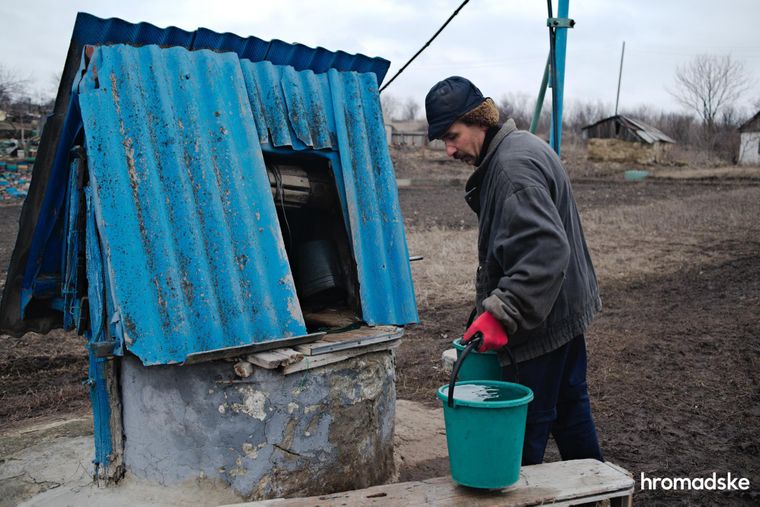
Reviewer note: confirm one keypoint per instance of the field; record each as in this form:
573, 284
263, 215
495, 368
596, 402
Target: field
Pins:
674, 358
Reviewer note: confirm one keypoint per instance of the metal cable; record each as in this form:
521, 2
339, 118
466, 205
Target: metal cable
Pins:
425, 46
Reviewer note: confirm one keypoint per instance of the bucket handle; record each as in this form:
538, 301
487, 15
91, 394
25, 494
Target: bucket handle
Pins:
477, 338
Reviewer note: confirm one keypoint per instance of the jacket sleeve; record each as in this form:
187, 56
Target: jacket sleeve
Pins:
531, 248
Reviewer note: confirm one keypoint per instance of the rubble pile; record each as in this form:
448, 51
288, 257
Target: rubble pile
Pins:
15, 176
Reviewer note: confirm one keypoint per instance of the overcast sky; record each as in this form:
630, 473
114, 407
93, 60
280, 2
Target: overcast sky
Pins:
501, 45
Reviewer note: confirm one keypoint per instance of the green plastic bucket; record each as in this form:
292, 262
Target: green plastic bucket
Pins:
478, 365
485, 429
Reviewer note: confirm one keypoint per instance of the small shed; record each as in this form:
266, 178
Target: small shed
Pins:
623, 139
749, 143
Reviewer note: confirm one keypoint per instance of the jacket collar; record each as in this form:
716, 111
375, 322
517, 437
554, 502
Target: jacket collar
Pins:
472, 188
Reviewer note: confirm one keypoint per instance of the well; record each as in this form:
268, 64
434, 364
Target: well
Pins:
230, 262
268, 435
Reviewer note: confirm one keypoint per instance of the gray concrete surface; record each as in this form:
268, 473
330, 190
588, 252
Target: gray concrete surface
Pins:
268, 435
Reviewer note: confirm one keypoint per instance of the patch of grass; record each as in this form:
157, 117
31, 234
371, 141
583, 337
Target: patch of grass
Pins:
447, 273
669, 235
626, 242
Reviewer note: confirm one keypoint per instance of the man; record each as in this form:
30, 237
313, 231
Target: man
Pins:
536, 290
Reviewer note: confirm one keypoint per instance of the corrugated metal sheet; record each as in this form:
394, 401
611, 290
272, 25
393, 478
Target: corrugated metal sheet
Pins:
291, 108
39, 238
191, 239
90, 29
380, 248
341, 111
251, 48
647, 132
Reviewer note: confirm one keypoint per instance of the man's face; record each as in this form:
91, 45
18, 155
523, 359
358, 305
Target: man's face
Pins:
464, 142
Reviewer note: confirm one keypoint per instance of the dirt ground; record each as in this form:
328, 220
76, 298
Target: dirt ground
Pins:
674, 358
39, 375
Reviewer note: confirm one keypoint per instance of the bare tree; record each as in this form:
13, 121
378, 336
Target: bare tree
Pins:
518, 106
409, 110
708, 84
12, 86
390, 106
681, 127
54, 83
579, 114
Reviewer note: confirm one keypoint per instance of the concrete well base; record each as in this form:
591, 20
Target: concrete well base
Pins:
269, 435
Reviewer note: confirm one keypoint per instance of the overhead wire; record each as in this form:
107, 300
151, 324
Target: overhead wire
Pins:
397, 74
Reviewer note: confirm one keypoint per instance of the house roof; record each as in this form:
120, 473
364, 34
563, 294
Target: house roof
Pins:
642, 131
751, 125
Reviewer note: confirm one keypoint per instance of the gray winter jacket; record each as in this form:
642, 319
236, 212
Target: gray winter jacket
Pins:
535, 273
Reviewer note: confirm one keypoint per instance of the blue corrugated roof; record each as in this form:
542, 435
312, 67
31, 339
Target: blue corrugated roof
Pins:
291, 108
377, 227
37, 254
167, 219
182, 199
92, 30
341, 111
191, 238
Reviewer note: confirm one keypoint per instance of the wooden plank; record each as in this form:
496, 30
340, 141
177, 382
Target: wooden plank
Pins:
311, 362
559, 483
272, 359
241, 350
362, 332
113, 471
351, 339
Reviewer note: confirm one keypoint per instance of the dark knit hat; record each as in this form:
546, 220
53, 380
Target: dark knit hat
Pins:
447, 101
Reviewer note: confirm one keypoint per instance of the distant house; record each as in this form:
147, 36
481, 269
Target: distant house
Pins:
623, 139
749, 143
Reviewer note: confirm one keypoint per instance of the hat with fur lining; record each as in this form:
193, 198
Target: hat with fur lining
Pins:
448, 100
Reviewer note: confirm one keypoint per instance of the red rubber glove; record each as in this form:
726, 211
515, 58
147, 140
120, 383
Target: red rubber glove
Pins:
494, 335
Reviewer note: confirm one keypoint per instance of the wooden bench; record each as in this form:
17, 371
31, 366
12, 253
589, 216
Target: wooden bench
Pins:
573, 482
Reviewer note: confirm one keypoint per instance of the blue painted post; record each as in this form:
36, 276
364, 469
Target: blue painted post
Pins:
99, 398
560, 50
101, 410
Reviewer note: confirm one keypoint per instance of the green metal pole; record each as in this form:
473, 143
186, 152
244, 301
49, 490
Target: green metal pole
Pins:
540, 99
560, 50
